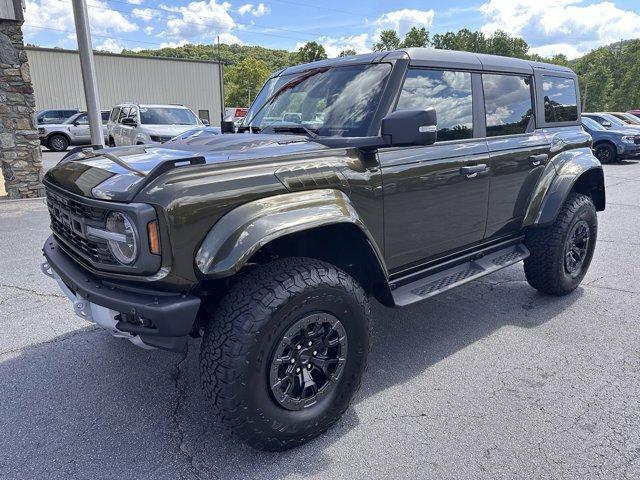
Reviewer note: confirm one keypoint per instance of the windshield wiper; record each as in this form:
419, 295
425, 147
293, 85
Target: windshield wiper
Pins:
312, 132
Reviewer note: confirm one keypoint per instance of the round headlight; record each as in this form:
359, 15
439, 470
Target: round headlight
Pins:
125, 246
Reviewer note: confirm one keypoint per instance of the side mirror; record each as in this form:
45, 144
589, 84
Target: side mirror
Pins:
410, 127
129, 122
205, 121
606, 124
76, 123
227, 127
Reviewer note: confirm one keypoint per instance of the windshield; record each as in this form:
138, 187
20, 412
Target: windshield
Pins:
592, 124
614, 120
338, 101
630, 119
167, 116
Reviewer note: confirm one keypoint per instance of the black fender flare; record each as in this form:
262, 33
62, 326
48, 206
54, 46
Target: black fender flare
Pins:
240, 233
569, 170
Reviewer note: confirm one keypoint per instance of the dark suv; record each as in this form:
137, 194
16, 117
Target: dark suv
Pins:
342, 187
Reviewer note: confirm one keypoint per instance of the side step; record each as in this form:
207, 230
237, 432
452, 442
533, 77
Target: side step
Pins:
444, 280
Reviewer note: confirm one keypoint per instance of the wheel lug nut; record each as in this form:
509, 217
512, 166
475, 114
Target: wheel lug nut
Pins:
298, 347
293, 360
315, 352
298, 370
308, 366
310, 343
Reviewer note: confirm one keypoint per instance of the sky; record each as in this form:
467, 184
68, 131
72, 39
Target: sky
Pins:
571, 27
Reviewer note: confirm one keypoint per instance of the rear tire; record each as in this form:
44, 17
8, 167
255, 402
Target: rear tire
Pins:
252, 352
561, 253
112, 143
606, 153
57, 143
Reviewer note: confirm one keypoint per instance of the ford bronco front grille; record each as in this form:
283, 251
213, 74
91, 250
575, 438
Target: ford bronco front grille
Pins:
69, 221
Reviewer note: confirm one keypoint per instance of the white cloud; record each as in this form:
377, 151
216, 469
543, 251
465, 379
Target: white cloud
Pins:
148, 30
145, 14
135, 2
402, 20
552, 25
229, 38
110, 45
173, 44
199, 19
58, 14
257, 11
334, 45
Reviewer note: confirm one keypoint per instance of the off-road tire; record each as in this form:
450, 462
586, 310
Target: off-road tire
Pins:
241, 336
57, 143
545, 267
112, 142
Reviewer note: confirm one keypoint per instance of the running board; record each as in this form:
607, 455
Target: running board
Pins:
444, 280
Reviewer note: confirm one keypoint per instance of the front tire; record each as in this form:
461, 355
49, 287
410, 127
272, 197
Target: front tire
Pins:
285, 350
57, 143
561, 253
606, 153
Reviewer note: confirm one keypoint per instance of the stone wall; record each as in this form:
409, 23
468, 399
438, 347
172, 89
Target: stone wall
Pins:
19, 145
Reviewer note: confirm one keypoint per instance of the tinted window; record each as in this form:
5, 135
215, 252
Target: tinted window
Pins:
560, 99
114, 114
167, 116
446, 91
334, 101
123, 113
508, 104
203, 114
80, 119
105, 117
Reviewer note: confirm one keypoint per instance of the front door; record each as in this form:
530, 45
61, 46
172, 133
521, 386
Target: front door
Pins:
435, 197
79, 130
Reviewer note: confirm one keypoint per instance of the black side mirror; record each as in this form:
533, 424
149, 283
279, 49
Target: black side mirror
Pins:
606, 124
76, 123
227, 127
410, 127
129, 122
205, 122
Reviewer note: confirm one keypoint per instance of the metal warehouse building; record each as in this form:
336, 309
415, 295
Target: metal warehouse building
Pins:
57, 81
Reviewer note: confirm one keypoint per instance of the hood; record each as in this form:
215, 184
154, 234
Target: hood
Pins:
166, 130
99, 177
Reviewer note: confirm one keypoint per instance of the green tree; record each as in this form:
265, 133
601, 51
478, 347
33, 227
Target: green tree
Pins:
389, 40
244, 80
416, 37
347, 53
501, 43
310, 52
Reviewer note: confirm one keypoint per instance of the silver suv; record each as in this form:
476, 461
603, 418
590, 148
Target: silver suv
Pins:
135, 124
73, 131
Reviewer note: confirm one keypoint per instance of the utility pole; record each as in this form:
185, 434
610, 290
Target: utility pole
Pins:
87, 65
586, 89
221, 78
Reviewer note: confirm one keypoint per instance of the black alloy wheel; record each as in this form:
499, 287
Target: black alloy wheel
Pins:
308, 361
605, 153
576, 248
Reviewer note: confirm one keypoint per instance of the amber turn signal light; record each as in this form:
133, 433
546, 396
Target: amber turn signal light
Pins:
154, 237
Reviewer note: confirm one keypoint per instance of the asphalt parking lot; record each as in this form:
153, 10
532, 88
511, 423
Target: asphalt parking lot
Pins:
491, 380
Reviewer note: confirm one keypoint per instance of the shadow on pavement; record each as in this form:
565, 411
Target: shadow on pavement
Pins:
91, 406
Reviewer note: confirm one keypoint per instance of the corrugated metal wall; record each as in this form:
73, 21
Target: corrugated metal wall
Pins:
6, 9
57, 81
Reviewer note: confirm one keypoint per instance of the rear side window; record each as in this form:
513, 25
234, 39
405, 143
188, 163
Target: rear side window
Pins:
105, 117
508, 104
448, 92
560, 99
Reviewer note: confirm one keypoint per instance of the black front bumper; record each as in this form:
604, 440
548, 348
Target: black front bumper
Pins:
169, 315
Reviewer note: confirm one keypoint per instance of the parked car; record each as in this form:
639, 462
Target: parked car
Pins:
410, 173
611, 145
135, 124
197, 135
634, 113
54, 115
609, 121
73, 131
626, 118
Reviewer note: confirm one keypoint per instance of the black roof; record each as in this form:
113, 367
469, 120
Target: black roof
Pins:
431, 57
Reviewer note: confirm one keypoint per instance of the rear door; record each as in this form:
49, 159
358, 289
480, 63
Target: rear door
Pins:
435, 197
518, 151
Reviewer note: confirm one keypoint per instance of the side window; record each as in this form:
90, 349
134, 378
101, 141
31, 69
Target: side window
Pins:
82, 120
124, 111
114, 114
133, 114
448, 92
105, 117
560, 99
508, 104
203, 115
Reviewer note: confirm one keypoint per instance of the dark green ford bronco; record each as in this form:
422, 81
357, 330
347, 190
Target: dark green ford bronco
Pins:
393, 175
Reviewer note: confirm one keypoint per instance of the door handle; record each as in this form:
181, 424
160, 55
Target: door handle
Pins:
472, 171
537, 160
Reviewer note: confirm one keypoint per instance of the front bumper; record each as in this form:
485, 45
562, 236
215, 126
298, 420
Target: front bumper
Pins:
146, 317
629, 151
